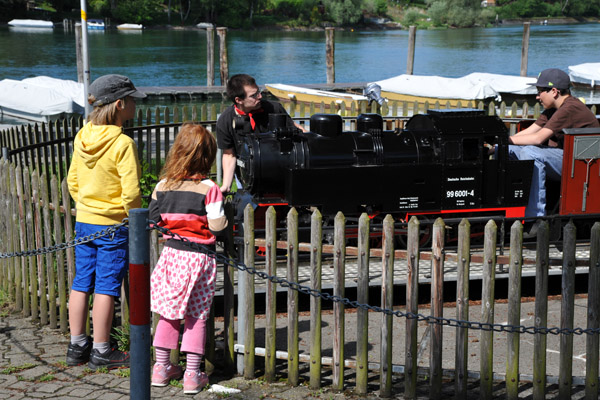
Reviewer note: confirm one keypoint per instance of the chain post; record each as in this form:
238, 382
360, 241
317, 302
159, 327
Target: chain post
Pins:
139, 308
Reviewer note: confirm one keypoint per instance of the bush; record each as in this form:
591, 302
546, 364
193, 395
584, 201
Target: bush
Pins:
412, 16
138, 11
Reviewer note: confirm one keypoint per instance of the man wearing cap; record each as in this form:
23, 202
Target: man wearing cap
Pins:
543, 140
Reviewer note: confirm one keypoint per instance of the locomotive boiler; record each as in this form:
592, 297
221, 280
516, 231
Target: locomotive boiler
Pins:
439, 163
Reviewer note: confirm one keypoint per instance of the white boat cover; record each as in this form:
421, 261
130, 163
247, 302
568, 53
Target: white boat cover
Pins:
506, 83
130, 26
31, 23
587, 73
438, 87
315, 92
40, 98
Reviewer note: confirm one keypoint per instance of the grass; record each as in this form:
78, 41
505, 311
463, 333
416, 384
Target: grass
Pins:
5, 304
16, 368
47, 378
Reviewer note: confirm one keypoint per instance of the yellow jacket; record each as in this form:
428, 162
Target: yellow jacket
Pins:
104, 177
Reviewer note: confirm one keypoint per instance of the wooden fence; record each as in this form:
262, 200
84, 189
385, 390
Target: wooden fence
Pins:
34, 217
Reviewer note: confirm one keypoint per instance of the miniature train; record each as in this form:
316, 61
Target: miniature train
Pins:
438, 165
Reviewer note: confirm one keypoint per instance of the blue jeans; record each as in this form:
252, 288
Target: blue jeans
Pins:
548, 165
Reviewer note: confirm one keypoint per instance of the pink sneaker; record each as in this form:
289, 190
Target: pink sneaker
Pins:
194, 382
162, 374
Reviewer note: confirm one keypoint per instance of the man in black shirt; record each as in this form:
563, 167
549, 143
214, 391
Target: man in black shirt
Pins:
248, 113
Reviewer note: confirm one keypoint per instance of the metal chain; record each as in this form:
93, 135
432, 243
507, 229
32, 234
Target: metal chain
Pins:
63, 246
451, 322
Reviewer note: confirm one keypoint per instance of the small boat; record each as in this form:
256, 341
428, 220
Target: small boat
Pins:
41, 98
130, 27
585, 75
95, 25
299, 94
31, 23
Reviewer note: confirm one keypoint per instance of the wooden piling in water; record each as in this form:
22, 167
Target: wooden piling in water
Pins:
210, 56
330, 54
525, 48
223, 60
410, 57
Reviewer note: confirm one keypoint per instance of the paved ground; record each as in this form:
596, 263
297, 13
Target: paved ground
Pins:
32, 362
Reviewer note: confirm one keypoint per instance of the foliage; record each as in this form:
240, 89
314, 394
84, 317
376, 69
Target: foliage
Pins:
343, 12
147, 183
458, 13
122, 336
100, 7
376, 7
138, 11
412, 16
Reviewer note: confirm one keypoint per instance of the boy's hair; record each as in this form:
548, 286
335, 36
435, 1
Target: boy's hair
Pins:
105, 114
193, 153
235, 86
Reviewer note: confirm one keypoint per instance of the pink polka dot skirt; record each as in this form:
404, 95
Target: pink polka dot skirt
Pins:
183, 283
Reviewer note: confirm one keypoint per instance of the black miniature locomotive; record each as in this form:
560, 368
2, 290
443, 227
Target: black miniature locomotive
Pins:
438, 164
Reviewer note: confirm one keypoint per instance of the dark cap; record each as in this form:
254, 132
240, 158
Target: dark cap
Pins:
553, 78
109, 88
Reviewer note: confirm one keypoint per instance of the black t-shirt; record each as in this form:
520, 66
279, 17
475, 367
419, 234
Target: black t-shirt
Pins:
230, 123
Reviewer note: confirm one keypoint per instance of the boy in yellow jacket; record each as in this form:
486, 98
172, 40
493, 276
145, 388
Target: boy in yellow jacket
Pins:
103, 181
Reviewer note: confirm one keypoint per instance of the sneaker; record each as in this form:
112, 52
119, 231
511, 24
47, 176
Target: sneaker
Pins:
194, 382
112, 358
77, 355
162, 374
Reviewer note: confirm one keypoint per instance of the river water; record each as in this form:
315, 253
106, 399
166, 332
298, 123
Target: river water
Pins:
178, 57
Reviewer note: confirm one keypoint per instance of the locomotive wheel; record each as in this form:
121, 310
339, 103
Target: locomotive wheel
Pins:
401, 240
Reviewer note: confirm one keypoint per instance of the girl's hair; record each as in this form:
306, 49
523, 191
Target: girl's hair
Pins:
193, 153
105, 114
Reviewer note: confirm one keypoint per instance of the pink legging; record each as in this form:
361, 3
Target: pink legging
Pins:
194, 334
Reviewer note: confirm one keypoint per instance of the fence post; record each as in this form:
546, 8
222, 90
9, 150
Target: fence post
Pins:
316, 243
139, 308
541, 310
387, 301
486, 351
292, 298
271, 294
362, 315
339, 264
437, 308
247, 300
567, 311
514, 309
6, 153
462, 308
591, 367
412, 308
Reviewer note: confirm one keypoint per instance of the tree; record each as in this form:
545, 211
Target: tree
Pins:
344, 12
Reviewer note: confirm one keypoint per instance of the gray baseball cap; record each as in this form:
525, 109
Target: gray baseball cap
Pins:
553, 78
109, 88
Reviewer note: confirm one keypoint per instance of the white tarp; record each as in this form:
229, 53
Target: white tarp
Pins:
505, 83
587, 73
438, 87
40, 98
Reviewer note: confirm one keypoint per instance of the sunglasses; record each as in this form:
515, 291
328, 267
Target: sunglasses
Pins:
542, 90
255, 95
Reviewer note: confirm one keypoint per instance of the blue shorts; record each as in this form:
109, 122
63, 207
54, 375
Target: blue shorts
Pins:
101, 265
